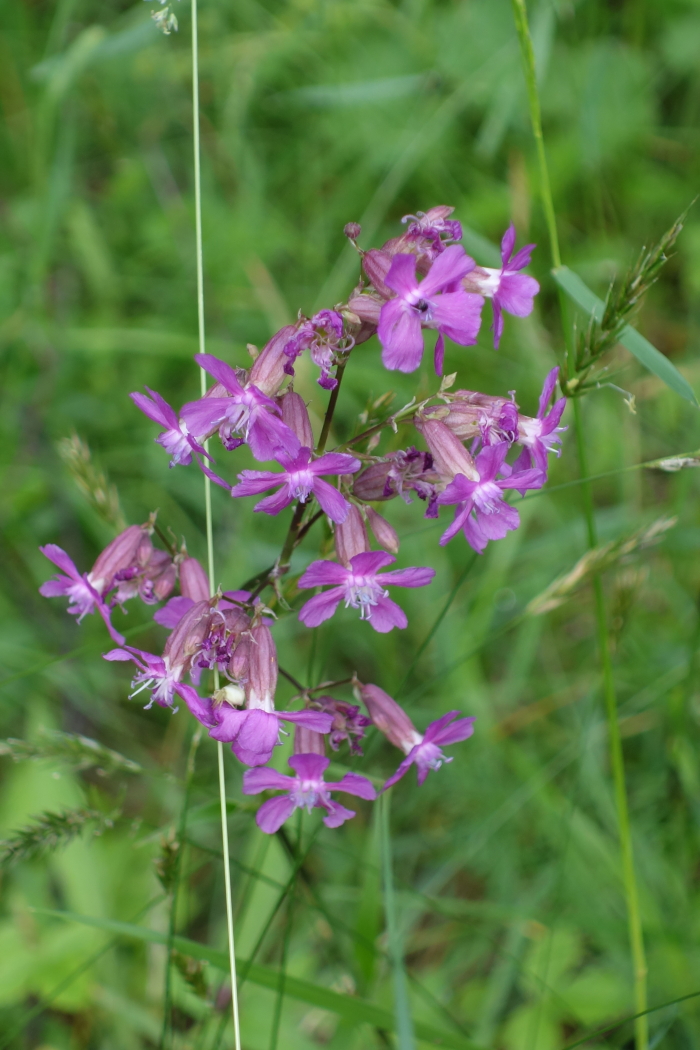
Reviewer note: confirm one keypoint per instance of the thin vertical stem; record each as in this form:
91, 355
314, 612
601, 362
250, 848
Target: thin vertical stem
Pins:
207, 505
634, 920
402, 1005
616, 754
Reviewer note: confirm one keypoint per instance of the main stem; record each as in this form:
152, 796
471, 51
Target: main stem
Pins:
207, 507
617, 762
641, 1028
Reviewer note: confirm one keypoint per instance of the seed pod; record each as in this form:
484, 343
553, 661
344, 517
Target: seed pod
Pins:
296, 416
194, 582
450, 455
384, 533
351, 537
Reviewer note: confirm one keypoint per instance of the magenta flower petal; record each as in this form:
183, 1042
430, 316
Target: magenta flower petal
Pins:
450, 267
401, 277
370, 562
337, 814
414, 577
550, 385
358, 785
276, 503
200, 708
273, 813
400, 772
318, 721
332, 502
220, 371
335, 463
264, 779
507, 244
253, 482
321, 607
386, 615
516, 294
309, 767
59, 557
229, 723
320, 573
400, 334
173, 611
458, 315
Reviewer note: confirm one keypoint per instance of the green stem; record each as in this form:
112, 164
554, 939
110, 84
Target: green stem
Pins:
528, 56
330, 411
634, 920
402, 1006
616, 754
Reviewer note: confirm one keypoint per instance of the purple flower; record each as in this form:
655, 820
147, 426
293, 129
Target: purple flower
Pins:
84, 594
348, 723
362, 587
425, 753
507, 287
306, 790
540, 435
300, 478
247, 412
253, 733
435, 224
177, 440
456, 314
322, 336
155, 673
482, 513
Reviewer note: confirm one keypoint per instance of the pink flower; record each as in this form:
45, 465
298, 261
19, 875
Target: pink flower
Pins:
362, 587
323, 337
254, 733
85, 594
539, 436
307, 789
508, 288
482, 513
246, 412
456, 314
425, 751
300, 478
156, 673
177, 440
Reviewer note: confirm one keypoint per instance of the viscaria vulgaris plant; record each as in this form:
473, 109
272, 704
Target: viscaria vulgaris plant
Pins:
474, 452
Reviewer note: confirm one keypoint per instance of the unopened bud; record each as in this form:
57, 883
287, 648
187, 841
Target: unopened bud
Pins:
267, 373
376, 264
352, 230
308, 742
240, 658
161, 574
296, 416
373, 483
351, 537
367, 308
119, 554
449, 454
389, 718
384, 533
186, 638
348, 722
262, 669
194, 582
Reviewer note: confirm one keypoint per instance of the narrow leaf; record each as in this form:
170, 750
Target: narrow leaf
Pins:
353, 1010
646, 354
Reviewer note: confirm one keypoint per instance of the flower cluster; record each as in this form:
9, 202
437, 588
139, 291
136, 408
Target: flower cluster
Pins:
220, 656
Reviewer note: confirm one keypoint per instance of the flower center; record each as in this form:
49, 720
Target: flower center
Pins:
300, 484
488, 497
362, 592
431, 756
306, 793
529, 431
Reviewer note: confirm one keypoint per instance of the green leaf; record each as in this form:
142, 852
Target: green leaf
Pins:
646, 354
352, 1009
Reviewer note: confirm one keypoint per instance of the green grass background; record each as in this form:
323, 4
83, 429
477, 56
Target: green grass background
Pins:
315, 113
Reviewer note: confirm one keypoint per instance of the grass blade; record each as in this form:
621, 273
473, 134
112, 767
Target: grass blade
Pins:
402, 1006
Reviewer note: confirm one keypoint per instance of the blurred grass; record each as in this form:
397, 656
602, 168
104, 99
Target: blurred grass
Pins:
506, 861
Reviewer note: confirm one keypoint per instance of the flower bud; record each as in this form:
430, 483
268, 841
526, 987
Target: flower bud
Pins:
186, 639
352, 230
470, 414
376, 264
351, 537
374, 483
308, 742
384, 533
449, 454
389, 718
267, 373
160, 577
240, 658
296, 416
119, 554
194, 582
262, 669
367, 308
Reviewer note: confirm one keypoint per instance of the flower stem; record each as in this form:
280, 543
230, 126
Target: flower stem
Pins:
616, 754
207, 502
402, 1007
330, 411
634, 921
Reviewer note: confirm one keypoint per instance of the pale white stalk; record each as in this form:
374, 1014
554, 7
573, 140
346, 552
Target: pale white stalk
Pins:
208, 511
